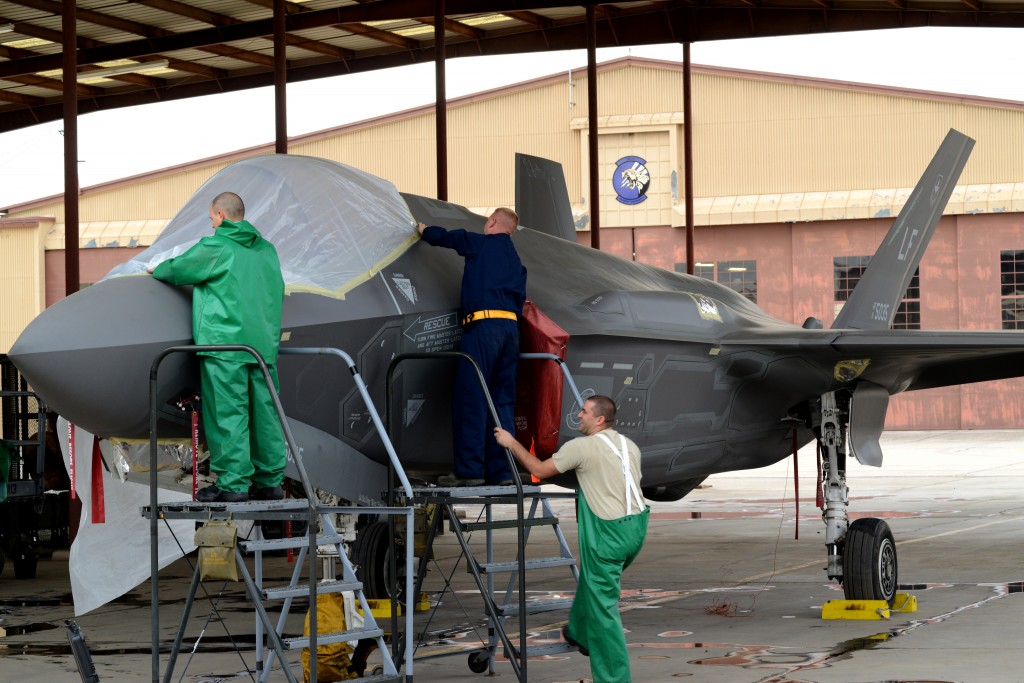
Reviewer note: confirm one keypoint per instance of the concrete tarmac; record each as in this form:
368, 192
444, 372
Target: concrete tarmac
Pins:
722, 591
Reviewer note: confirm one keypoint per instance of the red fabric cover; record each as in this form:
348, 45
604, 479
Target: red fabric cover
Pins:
539, 384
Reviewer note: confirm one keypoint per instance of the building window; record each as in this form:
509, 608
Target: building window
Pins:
1011, 275
849, 269
739, 276
705, 270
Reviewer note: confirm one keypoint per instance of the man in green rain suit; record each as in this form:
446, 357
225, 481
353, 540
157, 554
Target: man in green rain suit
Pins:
612, 524
236, 299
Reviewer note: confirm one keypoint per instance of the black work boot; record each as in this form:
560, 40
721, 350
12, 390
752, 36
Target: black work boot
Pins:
212, 494
265, 492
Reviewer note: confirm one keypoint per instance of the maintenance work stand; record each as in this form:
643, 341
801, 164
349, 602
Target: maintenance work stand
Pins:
502, 606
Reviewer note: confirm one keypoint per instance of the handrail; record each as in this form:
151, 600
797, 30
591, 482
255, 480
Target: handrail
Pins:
365, 393
520, 667
154, 500
562, 366
396, 466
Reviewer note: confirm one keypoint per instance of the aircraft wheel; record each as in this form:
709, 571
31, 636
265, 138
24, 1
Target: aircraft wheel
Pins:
372, 554
869, 561
478, 661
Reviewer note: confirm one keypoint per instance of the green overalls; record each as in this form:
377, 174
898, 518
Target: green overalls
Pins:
607, 547
237, 297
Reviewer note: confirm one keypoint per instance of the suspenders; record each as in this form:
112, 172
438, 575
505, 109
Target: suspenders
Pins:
627, 474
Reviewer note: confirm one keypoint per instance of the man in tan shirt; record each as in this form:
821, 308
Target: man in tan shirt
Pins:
612, 523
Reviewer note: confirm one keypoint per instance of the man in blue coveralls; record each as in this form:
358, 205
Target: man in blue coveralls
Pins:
493, 293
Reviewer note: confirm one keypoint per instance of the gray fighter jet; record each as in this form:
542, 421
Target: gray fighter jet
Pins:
705, 381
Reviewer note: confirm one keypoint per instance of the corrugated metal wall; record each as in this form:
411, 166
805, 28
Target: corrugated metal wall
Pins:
756, 136
22, 277
753, 134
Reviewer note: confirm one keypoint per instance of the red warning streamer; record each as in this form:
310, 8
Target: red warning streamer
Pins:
99, 514
71, 457
195, 452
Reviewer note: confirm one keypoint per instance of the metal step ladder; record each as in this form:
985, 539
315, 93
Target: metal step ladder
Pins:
327, 536
290, 509
316, 515
489, 496
501, 605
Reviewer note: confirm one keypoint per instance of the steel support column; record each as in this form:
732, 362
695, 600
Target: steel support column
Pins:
595, 191
69, 31
688, 155
440, 102
280, 80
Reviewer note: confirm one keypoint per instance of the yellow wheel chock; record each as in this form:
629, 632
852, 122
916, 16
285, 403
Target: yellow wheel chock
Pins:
868, 609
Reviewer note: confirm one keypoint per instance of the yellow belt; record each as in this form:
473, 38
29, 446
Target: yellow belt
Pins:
483, 315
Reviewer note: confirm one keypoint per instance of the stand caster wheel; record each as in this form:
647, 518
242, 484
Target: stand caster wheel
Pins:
478, 662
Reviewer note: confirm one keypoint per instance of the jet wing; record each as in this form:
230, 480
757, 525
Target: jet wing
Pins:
900, 360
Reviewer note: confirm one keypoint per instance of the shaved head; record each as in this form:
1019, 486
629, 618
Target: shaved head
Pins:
231, 204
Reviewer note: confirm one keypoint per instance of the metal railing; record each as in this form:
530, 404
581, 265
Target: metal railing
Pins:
314, 507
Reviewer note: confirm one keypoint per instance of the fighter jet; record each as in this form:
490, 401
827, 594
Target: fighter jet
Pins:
705, 381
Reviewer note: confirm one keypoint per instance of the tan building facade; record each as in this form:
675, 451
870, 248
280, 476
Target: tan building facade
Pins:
795, 180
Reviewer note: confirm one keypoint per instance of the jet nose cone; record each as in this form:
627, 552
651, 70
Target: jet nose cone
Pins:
89, 355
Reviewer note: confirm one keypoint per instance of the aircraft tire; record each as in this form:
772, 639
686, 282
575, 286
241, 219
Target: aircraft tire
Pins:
869, 561
370, 553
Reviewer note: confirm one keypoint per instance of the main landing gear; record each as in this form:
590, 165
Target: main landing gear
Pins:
861, 555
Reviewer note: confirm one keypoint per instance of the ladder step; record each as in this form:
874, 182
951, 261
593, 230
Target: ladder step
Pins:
288, 543
381, 678
540, 563
537, 607
282, 592
509, 523
334, 637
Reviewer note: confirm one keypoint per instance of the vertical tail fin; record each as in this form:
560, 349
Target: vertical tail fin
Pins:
872, 304
542, 200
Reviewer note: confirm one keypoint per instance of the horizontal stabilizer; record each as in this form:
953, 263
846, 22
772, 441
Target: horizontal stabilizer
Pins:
542, 200
872, 304
899, 360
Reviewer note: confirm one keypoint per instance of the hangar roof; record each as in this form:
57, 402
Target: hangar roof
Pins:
141, 51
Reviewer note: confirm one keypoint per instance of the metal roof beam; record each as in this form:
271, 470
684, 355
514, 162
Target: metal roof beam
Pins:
531, 18
90, 16
18, 98
217, 19
57, 85
204, 38
135, 28
456, 27
182, 9
24, 28
379, 35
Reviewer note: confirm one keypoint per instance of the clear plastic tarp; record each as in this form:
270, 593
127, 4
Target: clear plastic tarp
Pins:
333, 225
109, 559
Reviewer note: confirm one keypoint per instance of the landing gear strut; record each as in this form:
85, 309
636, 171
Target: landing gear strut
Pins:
861, 555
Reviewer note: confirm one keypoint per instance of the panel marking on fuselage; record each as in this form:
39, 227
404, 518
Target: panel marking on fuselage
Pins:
405, 286
438, 333
849, 370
